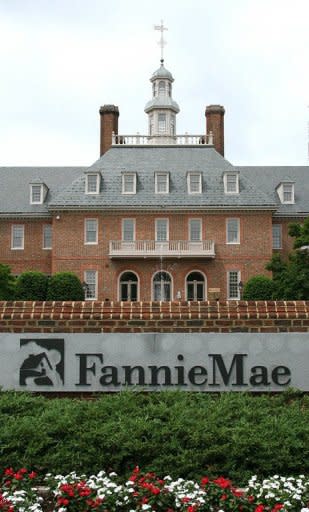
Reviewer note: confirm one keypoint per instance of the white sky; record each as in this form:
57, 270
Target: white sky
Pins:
61, 59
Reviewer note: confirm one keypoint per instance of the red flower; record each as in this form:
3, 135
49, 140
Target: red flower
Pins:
259, 508
224, 483
278, 506
205, 480
9, 472
32, 475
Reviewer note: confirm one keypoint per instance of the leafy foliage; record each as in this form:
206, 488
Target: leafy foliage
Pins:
65, 286
7, 283
31, 286
291, 278
259, 288
183, 434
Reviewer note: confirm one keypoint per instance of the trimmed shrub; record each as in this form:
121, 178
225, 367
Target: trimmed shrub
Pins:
7, 283
65, 286
178, 433
259, 288
31, 286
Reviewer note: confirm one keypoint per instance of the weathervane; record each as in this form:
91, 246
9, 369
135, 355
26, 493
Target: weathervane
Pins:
161, 43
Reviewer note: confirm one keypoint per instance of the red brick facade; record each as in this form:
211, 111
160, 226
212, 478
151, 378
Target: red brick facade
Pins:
96, 317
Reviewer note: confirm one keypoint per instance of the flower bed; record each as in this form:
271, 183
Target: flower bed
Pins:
147, 492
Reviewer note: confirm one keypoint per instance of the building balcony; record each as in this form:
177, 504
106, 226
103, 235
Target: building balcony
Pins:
165, 140
169, 249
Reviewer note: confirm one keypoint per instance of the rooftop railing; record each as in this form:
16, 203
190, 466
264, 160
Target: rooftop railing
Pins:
142, 140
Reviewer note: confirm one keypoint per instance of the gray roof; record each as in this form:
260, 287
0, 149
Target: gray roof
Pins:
15, 188
66, 185
177, 161
162, 72
268, 178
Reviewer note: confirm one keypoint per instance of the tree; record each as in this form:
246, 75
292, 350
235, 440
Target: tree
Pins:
7, 282
31, 286
65, 286
291, 278
259, 288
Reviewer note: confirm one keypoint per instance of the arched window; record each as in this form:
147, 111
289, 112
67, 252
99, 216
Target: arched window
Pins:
161, 87
128, 285
195, 286
162, 286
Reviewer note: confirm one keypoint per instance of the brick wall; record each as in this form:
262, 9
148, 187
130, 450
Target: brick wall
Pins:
94, 317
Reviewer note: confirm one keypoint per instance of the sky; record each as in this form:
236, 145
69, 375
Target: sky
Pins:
60, 60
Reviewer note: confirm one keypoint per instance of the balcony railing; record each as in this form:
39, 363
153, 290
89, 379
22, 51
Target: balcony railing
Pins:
142, 140
169, 249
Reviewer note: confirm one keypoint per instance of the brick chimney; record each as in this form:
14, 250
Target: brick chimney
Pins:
215, 124
109, 123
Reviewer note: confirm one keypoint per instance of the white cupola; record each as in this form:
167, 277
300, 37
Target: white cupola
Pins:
162, 109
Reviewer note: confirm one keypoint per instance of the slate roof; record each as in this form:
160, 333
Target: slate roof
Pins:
15, 188
177, 161
67, 184
268, 178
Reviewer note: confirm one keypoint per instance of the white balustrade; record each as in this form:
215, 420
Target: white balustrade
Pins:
142, 140
164, 249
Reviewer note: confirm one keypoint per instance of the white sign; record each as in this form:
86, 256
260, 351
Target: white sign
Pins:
192, 362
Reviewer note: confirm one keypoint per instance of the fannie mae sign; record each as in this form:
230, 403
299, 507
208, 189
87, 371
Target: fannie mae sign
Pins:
152, 362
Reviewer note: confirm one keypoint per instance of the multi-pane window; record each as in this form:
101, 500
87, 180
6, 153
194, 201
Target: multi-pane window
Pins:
47, 236
36, 192
129, 183
232, 231
233, 280
195, 230
162, 183
128, 230
161, 87
231, 183
288, 193
92, 183
91, 231
194, 183
161, 230
18, 236
90, 278
277, 236
162, 123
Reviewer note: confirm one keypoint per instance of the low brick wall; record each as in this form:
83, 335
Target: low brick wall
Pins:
96, 317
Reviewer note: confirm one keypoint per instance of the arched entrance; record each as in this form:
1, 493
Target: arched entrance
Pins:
195, 286
128, 287
162, 286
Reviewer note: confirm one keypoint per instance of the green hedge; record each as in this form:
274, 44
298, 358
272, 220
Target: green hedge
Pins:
31, 285
176, 433
65, 286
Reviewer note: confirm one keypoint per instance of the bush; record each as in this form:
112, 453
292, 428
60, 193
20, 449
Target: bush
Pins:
31, 286
178, 433
259, 288
65, 286
7, 283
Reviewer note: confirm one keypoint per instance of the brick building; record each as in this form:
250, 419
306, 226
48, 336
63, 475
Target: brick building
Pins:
156, 217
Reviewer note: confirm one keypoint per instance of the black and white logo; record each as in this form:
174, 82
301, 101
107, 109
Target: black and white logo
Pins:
42, 362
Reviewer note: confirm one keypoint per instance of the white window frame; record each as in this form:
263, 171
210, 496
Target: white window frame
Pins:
290, 186
36, 186
123, 229
189, 228
189, 182
157, 222
229, 231
162, 123
124, 176
229, 284
47, 227
22, 246
97, 189
91, 242
235, 190
95, 295
167, 187
277, 236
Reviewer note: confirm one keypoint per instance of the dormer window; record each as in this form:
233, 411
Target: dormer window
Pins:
286, 192
38, 192
129, 183
194, 182
231, 183
92, 183
162, 182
